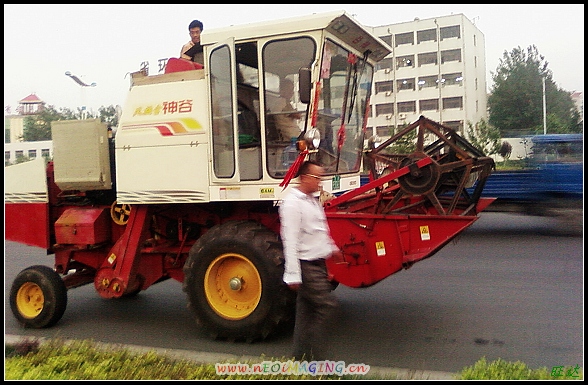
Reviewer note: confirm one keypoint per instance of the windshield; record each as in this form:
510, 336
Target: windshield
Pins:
285, 115
345, 86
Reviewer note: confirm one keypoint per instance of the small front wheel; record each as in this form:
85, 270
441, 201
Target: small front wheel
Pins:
38, 297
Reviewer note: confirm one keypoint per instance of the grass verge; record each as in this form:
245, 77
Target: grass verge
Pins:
57, 359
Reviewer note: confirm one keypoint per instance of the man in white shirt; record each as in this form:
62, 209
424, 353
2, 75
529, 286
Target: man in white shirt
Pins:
307, 244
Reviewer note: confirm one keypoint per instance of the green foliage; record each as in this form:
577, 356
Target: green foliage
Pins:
504, 370
505, 151
38, 127
403, 145
109, 115
21, 159
558, 125
512, 164
516, 101
484, 137
85, 360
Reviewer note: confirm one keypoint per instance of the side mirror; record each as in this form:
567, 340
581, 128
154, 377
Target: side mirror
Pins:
304, 85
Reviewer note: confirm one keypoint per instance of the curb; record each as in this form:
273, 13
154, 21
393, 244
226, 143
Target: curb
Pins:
212, 358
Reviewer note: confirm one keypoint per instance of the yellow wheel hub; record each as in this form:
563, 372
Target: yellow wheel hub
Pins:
232, 286
120, 213
30, 300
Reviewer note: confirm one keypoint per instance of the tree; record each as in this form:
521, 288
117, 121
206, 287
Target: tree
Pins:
20, 159
109, 115
484, 137
516, 101
38, 127
505, 151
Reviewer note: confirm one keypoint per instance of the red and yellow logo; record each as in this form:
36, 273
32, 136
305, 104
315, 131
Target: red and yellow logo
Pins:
178, 127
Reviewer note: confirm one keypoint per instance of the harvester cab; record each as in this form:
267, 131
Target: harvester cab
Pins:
227, 132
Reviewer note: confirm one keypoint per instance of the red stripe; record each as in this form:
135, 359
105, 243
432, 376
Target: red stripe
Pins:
164, 130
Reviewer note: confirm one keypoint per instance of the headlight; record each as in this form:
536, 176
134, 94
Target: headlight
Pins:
312, 138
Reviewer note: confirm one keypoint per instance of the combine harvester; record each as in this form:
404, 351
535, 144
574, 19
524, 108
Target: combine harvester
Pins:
189, 187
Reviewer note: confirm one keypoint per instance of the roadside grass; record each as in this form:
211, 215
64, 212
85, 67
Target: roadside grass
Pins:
512, 164
504, 370
57, 359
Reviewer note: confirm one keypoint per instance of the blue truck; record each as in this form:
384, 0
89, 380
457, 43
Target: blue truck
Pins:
551, 185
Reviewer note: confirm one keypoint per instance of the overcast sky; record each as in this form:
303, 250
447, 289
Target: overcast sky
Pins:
102, 43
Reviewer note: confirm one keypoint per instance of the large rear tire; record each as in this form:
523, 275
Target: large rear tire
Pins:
38, 297
233, 279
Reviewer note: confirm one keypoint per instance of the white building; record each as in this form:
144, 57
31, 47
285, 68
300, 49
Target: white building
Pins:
14, 146
437, 69
32, 150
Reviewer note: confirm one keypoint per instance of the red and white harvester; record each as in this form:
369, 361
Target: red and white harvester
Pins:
189, 186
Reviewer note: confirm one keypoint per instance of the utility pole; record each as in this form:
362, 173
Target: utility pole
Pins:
544, 109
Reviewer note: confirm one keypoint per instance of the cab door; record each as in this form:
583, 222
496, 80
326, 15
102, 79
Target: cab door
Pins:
221, 72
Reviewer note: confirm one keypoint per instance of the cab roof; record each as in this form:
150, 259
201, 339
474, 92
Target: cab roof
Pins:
338, 23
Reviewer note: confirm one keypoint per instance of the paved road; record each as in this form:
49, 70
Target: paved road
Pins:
503, 289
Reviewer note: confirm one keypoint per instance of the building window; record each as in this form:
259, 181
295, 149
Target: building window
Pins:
451, 55
384, 130
474, 40
18, 154
427, 58
453, 79
387, 86
404, 38
7, 156
427, 81
384, 109
405, 61
369, 132
426, 35
456, 125
407, 106
405, 84
429, 105
387, 39
456, 102
32, 154
450, 32
45, 153
385, 64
